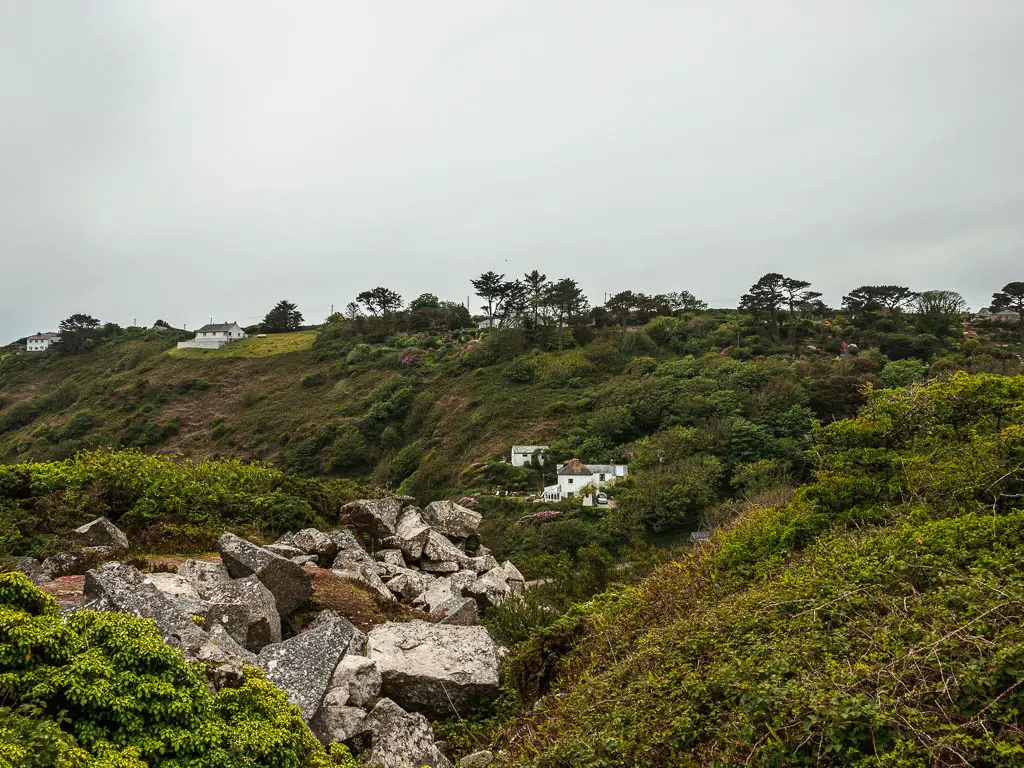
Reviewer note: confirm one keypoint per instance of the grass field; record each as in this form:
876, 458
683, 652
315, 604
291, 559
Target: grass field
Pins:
254, 346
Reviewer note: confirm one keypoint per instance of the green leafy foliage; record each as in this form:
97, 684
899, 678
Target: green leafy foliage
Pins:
877, 620
97, 690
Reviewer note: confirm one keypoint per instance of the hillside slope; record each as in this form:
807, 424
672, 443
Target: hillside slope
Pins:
878, 620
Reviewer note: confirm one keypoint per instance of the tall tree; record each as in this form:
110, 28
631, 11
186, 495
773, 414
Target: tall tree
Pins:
352, 311
684, 301
513, 303
285, 316
867, 301
1011, 297
798, 297
490, 286
937, 311
77, 333
424, 301
565, 299
765, 299
535, 284
622, 305
380, 301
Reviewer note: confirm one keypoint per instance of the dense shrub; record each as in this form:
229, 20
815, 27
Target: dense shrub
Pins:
96, 690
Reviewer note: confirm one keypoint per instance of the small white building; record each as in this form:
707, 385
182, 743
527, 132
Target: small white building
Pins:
1002, 316
522, 455
214, 336
41, 341
574, 476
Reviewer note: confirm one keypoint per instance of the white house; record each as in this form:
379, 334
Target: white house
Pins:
214, 336
574, 475
522, 455
1002, 316
41, 341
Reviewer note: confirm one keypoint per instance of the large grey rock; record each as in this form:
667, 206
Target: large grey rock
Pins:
392, 557
337, 722
408, 584
123, 589
437, 594
452, 519
401, 739
411, 534
75, 562
359, 679
344, 539
439, 551
285, 550
461, 611
305, 560
203, 574
290, 585
174, 586
246, 609
101, 533
434, 669
497, 585
377, 518
224, 660
482, 759
314, 542
30, 567
357, 645
356, 564
302, 666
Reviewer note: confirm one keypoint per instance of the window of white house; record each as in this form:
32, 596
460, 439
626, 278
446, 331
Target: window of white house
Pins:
601, 478
570, 481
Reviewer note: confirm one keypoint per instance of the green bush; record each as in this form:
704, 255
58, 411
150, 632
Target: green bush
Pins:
97, 690
520, 371
900, 373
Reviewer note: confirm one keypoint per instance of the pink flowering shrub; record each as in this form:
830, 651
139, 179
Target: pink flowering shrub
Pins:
540, 517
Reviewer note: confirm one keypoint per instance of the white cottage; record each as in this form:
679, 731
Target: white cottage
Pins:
214, 336
573, 476
41, 341
522, 455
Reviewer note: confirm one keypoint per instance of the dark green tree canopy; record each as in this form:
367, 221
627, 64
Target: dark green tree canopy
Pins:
285, 316
380, 301
77, 333
424, 301
1011, 297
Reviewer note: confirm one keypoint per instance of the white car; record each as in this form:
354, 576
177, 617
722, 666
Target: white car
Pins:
602, 498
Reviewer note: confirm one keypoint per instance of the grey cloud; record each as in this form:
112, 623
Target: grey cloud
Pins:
183, 160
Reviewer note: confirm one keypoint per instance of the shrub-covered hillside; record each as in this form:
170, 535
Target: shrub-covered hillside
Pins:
877, 620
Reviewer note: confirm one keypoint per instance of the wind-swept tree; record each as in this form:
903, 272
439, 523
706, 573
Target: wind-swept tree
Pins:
937, 311
513, 304
623, 304
380, 301
866, 302
684, 301
490, 286
764, 300
1011, 297
285, 316
535, 284
565, 299
77, 333
798, 299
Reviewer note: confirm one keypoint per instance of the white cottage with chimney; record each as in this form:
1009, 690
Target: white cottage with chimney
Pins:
214, 336
574, 476
41, 341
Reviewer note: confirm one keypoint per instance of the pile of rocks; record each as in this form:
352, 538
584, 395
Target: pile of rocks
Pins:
431, 558
371, 691
99, 540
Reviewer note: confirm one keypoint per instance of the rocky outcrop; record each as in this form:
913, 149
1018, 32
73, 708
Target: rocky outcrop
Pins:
247, 611
401, 739
338, 722
437, 670
30, 567
203, 574
461, 611
288, 583
358, 679
482, 759
410, 535
452, 519
378, 518
101, 533
497, 585
75, 562
313, 542
304, 665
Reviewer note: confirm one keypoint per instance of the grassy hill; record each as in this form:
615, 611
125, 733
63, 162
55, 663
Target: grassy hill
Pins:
877, 620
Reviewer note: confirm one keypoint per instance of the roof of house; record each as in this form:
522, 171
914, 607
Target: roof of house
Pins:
574, 467
601, 469
216, 327
40, 336
528, 449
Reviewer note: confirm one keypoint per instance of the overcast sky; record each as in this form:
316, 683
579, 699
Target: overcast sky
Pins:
188, 160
